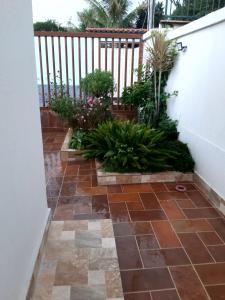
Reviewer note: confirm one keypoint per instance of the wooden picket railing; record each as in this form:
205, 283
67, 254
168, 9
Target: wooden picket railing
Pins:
63, 58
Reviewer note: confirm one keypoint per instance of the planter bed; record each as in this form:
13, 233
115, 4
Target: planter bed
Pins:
67, 154
111, 178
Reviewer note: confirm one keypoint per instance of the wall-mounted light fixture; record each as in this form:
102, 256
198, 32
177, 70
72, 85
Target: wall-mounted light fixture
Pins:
180, 47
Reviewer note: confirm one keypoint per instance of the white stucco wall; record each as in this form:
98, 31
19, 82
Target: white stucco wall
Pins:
23, 206
199, 77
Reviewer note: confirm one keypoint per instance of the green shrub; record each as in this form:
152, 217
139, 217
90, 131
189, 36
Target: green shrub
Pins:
63, 106
98, 84
129, 147
137, 94
181, 160
77, 140
169, 127
125, 147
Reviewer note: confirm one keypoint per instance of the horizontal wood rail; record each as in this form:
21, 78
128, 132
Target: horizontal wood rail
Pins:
89, 34
64, 58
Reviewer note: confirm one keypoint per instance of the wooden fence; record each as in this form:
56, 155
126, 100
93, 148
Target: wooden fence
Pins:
63, 58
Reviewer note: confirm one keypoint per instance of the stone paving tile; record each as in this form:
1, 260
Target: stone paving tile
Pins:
170, 245
75, 264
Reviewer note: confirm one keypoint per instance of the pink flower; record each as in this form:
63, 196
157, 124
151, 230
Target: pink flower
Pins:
90, 100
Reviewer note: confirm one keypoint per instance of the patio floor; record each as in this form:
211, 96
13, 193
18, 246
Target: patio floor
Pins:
170, 244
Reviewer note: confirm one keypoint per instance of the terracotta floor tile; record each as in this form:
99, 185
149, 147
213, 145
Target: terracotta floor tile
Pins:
52, 191
150, 201
149, 215
195, 213
218, 252
219, 226
185, 203
210, 238
119, 212
165, 295
135, 206
83, 184
132, 228
165, 234
137, 296
164, 257
171, 195
123, 229
211, 273
198, 199
128, 253
84, 178
87, 172
172, 211
100, 203
172, 186
82, 205
52, 202
114, 189
195, 248
68, 189
94, 180
71, 171
98, 190
147, 241
191, 225
136, 188
91, 216
64, 212
216, 292
158, 187
119, 197
146, 279
55, 181
188, 285
67, 200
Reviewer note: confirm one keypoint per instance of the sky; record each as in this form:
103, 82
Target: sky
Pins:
61, 10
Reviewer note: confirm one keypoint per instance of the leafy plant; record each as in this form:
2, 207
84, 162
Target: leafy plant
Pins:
63, 105
181, 160
77, 140
138, 93
128, 147
169, 127
161, 57
98, 84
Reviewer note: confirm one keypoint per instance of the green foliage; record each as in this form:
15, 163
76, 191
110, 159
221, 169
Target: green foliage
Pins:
98, 84
48, 25
194, 9
138, 93
181, 160
64, 107
142, 14
129, 147
77, 140
169, 127
105, 13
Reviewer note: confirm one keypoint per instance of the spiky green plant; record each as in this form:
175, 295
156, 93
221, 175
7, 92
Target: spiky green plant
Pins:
126, 146
132, 147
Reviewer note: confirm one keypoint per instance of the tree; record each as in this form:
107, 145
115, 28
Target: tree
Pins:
107, 13
142, 15
48, 25
194, 9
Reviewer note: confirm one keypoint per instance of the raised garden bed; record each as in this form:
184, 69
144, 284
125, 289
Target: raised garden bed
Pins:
67, 154
111, 178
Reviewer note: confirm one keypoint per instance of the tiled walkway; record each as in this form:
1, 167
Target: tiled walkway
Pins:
170, 245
